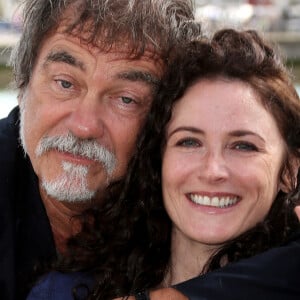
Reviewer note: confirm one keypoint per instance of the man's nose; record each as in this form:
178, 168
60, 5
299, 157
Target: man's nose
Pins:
86, 119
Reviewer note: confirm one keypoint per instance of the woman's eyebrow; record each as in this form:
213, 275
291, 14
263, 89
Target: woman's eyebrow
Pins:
241, 133
186, 128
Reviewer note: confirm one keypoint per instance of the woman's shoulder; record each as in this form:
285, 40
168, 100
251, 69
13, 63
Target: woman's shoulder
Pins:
62, 286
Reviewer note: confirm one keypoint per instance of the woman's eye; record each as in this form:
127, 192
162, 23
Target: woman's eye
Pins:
244, 146
188, 142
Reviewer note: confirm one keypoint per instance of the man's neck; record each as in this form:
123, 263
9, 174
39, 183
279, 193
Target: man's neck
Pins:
63, 219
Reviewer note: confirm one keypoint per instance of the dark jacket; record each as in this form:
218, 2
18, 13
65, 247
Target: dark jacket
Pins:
25, 234
274, 275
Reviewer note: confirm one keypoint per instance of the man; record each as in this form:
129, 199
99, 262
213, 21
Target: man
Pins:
86, 72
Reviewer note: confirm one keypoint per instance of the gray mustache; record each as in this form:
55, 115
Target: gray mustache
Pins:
88, 148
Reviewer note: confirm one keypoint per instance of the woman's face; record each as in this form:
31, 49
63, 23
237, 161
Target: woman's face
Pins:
222, 162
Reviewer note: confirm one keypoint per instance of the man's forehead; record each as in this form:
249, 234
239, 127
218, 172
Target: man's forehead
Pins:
119, 50
130, 70
122, 46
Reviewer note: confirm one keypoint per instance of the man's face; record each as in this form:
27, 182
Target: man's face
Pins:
81, 113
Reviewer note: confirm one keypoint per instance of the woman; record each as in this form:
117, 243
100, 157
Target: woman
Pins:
214, 179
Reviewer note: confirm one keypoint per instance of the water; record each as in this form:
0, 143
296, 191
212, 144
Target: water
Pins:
8, 100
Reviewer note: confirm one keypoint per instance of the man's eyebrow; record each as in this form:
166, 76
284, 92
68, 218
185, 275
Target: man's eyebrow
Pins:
141, 76
65, 57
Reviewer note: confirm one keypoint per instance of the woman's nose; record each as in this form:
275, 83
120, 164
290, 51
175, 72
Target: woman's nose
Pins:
214, 167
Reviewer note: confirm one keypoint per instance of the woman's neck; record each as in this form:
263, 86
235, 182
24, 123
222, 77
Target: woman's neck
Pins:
188, 258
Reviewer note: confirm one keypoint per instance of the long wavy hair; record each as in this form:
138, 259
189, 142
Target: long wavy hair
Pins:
126, 243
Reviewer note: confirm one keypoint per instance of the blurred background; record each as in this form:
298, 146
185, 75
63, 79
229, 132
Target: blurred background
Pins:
279, 20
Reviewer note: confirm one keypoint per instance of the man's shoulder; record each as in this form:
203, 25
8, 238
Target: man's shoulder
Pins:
10, 125
9, 150
9, 135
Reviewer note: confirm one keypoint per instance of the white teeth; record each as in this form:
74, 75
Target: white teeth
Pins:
220, 202
206, 200
215, 201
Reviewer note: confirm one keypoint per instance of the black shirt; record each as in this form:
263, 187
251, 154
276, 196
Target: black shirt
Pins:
274, 275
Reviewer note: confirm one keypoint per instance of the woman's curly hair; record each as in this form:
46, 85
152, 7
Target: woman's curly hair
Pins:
126, 243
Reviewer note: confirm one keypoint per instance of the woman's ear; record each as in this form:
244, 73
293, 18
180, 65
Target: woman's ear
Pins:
297, 211
288, 178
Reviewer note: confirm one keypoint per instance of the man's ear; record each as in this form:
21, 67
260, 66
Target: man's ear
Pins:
22, 94
20, 98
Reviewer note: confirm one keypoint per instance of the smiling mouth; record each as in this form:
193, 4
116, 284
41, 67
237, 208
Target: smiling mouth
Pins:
219, 202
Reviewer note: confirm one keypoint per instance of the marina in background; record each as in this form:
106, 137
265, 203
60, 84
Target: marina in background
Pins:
278, 19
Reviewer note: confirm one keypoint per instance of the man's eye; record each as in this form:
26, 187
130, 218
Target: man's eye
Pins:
127, 100
244, 146
64, 83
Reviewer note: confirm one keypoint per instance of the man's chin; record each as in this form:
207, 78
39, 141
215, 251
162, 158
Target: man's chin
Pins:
74, 199
67, 193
